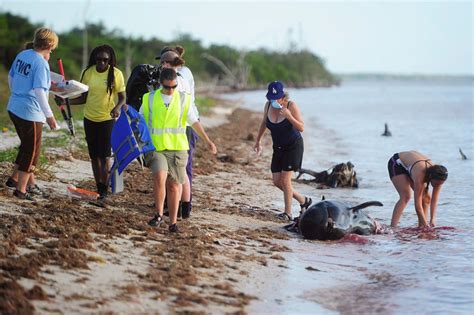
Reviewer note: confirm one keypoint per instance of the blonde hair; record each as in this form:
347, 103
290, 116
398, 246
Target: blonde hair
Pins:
286, 97
45, 38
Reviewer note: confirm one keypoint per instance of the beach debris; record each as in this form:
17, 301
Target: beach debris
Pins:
342, 175
226, 158
463, 156
312, 268
81, 193
387, 132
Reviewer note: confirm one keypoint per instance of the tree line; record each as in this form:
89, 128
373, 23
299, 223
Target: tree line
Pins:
216, 64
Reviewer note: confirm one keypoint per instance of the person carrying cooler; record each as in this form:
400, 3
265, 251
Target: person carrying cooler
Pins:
29, 81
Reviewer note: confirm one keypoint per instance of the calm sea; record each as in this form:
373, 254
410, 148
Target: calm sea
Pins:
404, 271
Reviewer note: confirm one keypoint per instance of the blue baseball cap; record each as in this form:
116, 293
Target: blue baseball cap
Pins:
275, 90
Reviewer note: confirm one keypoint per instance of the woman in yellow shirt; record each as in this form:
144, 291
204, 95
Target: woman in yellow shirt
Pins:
102, 102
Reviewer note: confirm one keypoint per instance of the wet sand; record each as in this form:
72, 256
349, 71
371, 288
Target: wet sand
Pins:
64, 255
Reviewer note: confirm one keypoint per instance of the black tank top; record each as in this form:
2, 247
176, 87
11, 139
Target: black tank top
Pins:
284, 134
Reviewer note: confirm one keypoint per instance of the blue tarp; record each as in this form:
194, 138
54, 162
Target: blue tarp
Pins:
129, 140
140, 130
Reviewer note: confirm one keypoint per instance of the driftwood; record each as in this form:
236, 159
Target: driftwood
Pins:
341, 175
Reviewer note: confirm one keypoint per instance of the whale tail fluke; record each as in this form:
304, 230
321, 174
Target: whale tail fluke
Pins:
366, 204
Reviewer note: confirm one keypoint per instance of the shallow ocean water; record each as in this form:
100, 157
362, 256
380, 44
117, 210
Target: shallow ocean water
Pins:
404, 271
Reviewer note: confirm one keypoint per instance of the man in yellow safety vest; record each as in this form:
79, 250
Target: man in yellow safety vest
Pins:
166, 112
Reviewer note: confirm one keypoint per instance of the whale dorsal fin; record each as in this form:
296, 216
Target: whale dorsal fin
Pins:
366, 204
323, 198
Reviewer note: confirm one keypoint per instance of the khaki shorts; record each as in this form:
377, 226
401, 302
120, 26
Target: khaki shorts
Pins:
174, 162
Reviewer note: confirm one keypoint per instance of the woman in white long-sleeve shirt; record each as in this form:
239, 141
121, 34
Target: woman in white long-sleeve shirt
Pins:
29, 80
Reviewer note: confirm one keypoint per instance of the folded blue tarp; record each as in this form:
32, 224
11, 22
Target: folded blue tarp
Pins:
130, 139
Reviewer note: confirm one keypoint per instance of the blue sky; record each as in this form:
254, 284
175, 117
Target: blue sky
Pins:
398, 37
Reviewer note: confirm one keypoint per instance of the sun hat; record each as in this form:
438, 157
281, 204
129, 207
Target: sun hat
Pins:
275, 90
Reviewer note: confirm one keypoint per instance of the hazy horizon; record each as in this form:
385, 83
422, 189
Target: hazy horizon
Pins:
418, 38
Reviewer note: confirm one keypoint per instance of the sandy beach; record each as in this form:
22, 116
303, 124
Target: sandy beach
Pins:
68, 256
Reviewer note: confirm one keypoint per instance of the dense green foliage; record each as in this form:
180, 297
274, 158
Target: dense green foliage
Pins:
216, 64
250, 69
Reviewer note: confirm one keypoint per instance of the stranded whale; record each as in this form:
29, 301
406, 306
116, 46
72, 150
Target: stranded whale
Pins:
332, 219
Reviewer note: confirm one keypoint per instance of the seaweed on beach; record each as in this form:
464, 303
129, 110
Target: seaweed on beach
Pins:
186, 270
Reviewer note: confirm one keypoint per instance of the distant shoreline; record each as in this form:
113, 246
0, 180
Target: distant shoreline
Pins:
406, 77
212, 88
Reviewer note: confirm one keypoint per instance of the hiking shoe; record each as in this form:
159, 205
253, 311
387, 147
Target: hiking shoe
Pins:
284, 216
156, 220
173, 228
24, 196
34, 190
306, 204
11, 182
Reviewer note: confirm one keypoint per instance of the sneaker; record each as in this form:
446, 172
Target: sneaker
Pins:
307, 202
24, 196
284, 216
11, 182
173, 228
156, 220
34, 190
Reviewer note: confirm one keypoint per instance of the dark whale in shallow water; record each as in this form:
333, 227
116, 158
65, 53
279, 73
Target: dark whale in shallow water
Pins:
332, 219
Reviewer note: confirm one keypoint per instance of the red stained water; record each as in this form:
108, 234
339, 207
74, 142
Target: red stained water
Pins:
412, 233
354, 238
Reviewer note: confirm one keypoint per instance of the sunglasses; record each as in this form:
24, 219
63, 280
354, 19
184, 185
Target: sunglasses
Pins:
168, 87
102, 59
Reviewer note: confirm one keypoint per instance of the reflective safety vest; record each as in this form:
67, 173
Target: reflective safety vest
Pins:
167, 125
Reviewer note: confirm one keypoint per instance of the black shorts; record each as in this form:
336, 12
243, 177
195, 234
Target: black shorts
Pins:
98, 135
288, 158
394, 168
